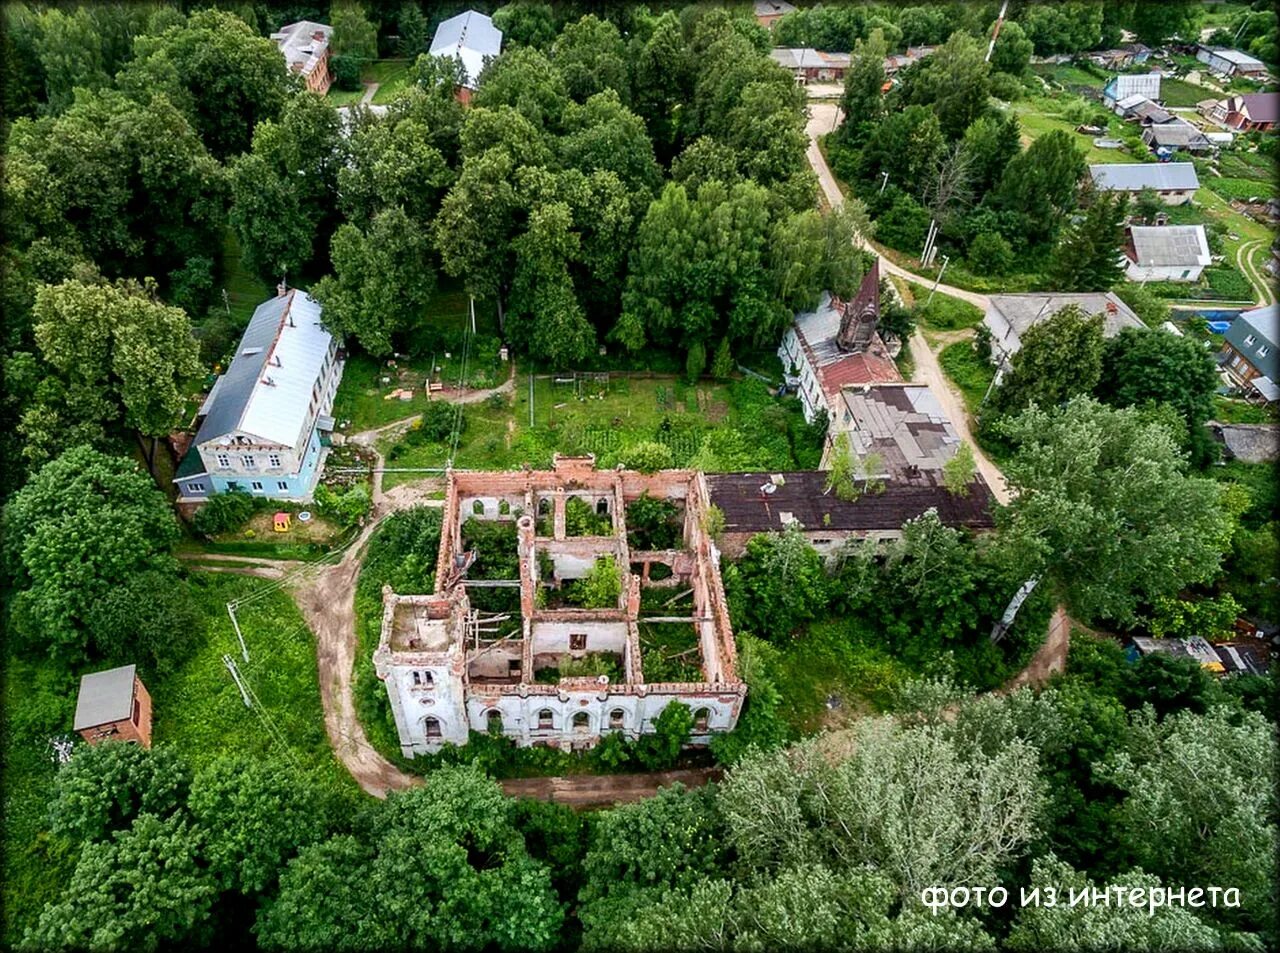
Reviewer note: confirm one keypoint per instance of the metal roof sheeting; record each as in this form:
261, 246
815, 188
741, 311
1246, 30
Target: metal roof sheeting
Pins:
289, 354
470, 37
105, 697
1170, 245
1135, 176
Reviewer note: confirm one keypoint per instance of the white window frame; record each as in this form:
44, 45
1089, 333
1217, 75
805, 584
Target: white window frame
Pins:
195, 487
273, 459
282, 485
247, 461
224, 461
1264, 351
255, 485
1248, 342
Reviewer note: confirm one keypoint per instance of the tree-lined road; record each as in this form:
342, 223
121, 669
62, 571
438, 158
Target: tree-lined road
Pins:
823, 117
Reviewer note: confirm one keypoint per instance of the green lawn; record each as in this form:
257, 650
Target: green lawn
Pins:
245, 290
197, 709
343, 97
1177, 92
362, 395
1231, 411
1067, 74
1038, 115
943, 313
967, 371
749, 428
840, 660
392, 75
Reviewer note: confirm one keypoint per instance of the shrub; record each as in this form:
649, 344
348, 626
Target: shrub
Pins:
671, 731
1229, 283
722, 365
989, 253
696, 362
347, 508
346, 69
647, 456
223, 513
437, 423
602, 587
904, 225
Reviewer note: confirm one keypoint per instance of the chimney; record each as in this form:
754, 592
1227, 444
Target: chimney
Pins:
269, 382
1111, 308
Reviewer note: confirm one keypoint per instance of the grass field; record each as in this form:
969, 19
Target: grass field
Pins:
745, 426
197, 709
943, 313
245, 290
967, 371
391, 75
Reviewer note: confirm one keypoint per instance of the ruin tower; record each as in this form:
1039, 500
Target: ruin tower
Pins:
861, 315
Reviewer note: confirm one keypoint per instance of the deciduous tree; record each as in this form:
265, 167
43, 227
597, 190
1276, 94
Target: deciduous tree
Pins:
1104, 506
1059, 358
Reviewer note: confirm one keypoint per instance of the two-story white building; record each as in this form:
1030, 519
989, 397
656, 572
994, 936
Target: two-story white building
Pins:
260, 427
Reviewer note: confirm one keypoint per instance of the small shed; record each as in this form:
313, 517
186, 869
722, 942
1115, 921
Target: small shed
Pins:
114, 706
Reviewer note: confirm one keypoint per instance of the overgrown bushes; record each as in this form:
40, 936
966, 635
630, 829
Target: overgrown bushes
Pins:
223, 513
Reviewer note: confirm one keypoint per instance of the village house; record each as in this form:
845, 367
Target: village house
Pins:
1249, 352
812, 66
837, 345
1252, 112
1127, 85
305, 46
260, 428
1010, 316
769, 12
1165, 253
114, 706
473, 40
1139, 109
451, 667
1248, 443
1177, 135
1174, 182
1231, 63
1122, 57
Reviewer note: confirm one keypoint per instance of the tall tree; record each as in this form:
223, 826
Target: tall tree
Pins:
143, 889
527, 80
121, 344
526, 24
546, 319
1013, 50
383, 278
104, 788
86, 523
218, 71
255, 816
591, 57
660, 78
392, 162
1041, 184
1088, 256
604, 134
1059, 358
285, 190
444, 868
1140, 365
1104, 508
954, 80
777, 585
863, 97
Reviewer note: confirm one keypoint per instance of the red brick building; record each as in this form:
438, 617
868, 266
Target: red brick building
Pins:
114, 706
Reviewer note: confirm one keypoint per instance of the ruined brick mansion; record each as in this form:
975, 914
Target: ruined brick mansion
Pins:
517, 637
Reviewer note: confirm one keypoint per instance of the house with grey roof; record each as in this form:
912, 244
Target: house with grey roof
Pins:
260, 429
1231, 62
1174, 182
811, 66
113, 706
1127, 85
899, 431
1178, 135
305, 46
1249, 353
1009, 317
1165, 252
471, 39
769, 12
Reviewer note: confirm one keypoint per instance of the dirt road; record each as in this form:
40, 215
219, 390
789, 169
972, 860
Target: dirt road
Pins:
929, 371
602, 790
1248, 266
823, 118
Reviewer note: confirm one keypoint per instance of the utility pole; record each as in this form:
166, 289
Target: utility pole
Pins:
884, 180
230, 663
231, 611
226, 302
938, 280
996, 32
1011, 611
